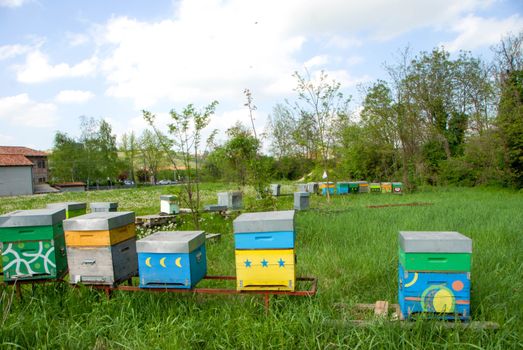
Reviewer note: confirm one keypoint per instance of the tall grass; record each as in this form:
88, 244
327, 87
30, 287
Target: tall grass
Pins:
352, 249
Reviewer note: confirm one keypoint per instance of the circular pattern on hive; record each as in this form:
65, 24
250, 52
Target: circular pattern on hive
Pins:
438, 299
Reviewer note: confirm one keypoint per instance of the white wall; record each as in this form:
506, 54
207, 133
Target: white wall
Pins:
16, 180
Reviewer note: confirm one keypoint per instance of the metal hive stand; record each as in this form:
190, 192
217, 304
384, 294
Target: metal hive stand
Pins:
108, 289
265, 293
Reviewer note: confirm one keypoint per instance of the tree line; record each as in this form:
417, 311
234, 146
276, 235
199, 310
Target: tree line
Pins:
433, 119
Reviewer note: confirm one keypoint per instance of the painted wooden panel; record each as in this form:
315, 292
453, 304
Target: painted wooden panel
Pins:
363, 187
264, 240
375, 187
265, 269
397, 187
459, 262
33, 260
172, 270
386, 187
354, 187
342, 187
444, 294
30, 233
102, 265
74, 213
99, 238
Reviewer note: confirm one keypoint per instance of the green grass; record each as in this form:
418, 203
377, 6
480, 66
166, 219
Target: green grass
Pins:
351, 249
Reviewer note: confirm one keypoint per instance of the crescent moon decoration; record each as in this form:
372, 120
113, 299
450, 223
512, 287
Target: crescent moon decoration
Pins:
413, 280
177, 262
148, 262
162, 262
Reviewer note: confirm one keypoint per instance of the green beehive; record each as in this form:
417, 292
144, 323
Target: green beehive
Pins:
354, 187
375, 187
72, 209
33, 244
434, 251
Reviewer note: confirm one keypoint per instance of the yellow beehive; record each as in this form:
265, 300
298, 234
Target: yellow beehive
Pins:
99, 238
270, 269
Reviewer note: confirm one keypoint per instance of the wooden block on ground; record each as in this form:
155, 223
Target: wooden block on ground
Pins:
381, 308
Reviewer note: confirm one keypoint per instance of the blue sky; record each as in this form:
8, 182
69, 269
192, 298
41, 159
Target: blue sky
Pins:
110, 59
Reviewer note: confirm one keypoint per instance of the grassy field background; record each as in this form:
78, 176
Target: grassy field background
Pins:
352, 249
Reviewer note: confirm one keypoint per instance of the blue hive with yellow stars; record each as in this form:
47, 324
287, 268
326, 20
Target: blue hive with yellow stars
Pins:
264, 250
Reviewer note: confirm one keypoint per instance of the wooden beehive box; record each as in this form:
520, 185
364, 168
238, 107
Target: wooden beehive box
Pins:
175, 259
32, 244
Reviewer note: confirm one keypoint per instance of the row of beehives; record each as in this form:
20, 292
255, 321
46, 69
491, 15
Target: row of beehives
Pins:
351, 187
100, 248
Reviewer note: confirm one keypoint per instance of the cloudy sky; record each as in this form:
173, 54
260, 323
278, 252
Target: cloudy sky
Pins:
111, 59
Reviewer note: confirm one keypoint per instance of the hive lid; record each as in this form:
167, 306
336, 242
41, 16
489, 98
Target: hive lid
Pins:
34, 217
434, 242
168, 197
171, 242
302, 194
68, 205
271, 221
110, 205
99, 221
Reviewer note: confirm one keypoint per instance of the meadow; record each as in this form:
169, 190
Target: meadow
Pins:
351, 248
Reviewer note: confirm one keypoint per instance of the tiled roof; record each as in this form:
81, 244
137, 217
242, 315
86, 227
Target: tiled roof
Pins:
14, 160
24, 151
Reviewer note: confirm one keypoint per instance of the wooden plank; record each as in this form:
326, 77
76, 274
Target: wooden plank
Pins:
381, 308
415, 204
213, 236
474, 325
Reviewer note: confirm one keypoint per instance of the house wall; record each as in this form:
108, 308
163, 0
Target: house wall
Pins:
40, 169
16, 180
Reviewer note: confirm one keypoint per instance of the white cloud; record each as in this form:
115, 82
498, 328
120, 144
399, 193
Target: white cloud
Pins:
476, 31
21, 110
37, 69
319, 60
12, 3
77, 39
382, 19
214, 49
184, 61
10, 51
73, 96
342, 42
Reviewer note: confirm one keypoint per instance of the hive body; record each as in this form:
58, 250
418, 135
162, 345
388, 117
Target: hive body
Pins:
265, 258
33, 245
175, 259
434, 274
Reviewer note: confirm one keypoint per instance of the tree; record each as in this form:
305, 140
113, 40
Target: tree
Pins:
509, 55
241, 151
321, 103
66, 160
153, 154
185, 130
129, 147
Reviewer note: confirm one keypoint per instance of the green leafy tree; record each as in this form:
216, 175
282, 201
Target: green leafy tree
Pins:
67, 159
185, 143
321, 104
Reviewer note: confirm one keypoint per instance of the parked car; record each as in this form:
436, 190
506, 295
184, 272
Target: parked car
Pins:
164, 182
128, 182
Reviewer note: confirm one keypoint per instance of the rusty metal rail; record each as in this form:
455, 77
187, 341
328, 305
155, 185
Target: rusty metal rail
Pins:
108, 289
